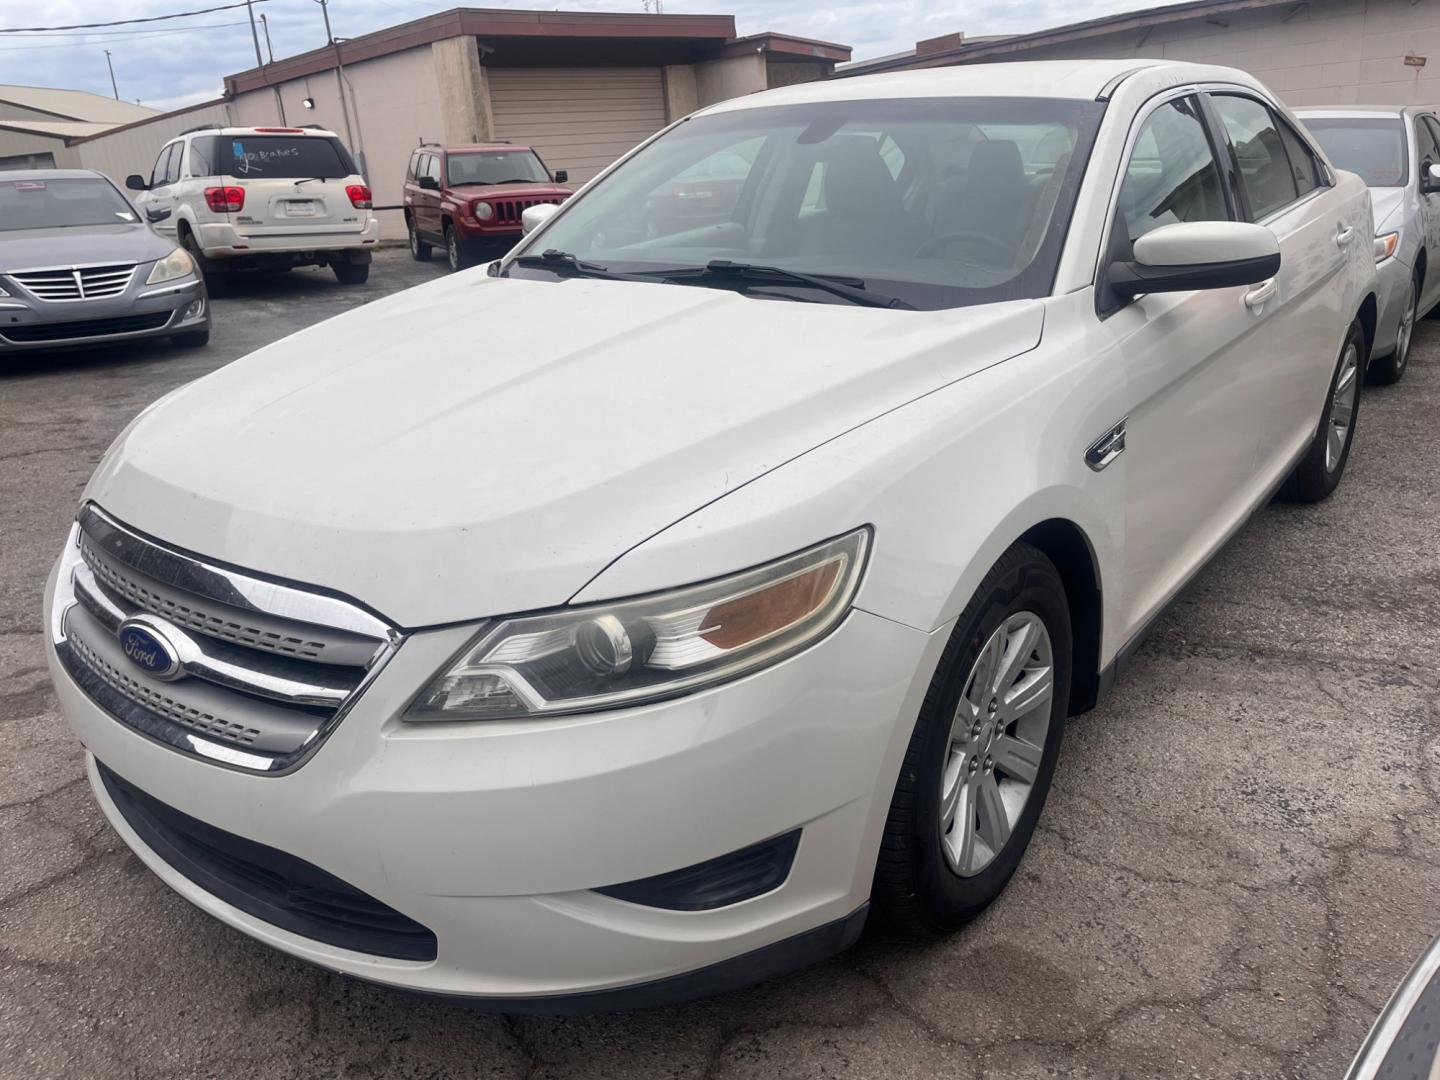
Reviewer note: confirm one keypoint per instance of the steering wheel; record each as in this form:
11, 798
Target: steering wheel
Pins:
936, 244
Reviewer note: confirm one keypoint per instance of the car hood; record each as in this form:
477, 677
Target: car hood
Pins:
1385, 204
23, 249
477, 445
516, 191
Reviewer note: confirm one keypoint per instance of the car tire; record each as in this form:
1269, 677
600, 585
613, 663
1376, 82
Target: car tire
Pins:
983, 751
216, 280
419, 249
349, 273
196, 339
455, 251
1320, 470
1387, 370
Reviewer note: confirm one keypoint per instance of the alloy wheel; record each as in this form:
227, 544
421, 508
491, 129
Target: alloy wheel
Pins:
997, 743
452, 249
1407, 328
1342, 407
414, 241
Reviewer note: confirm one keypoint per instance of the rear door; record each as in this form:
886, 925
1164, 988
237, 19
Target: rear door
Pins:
294, 184
1301, 325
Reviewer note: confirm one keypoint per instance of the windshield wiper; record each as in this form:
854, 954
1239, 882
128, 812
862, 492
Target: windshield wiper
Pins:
566, 264
724, 271
307, 180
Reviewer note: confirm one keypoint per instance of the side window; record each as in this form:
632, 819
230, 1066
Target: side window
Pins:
1260, 153
202, 152
410, 166
432, 167
157, 172
172, 165
1172, 175
1303, 166
1429, 140
422, 165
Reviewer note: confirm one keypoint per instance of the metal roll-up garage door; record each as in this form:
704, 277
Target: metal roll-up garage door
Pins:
579, 119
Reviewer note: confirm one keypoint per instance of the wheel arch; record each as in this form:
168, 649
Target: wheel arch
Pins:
1368, 315
1421, 262
1066, 545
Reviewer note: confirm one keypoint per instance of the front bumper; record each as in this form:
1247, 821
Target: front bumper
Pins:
142, 312
494, 835
1392, 277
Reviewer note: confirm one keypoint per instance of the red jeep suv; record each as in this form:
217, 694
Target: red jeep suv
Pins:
468, 197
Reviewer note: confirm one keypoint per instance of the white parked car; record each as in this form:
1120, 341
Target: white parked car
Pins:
1396, 151
261, 198
640, 652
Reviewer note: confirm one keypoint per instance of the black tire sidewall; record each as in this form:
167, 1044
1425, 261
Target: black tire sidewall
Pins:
1031, 585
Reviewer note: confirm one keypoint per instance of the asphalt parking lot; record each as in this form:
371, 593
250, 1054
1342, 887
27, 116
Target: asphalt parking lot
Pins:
1239, 860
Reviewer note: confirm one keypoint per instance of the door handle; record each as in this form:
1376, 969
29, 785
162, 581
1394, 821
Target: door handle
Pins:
1255, 299
1344, 236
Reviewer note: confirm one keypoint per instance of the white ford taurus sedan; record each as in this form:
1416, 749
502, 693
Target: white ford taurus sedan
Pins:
624, 620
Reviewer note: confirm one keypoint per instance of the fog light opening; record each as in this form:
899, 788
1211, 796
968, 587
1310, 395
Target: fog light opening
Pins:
195, 310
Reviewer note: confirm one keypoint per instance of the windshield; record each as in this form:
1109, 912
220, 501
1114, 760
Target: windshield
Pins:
938, 202
495, 167
1374, 147
55, 204
264, 157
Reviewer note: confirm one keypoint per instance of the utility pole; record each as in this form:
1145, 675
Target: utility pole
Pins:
113, 88
260, 60
250, 7
340, 83
265, 25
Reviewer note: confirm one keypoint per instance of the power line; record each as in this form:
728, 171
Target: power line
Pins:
119, 41
127, 22
116, 35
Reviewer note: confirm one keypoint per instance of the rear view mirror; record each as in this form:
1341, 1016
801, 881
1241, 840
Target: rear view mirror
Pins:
561, 176
429, 183
1196, 255
136, 182
1430, 182
535, 216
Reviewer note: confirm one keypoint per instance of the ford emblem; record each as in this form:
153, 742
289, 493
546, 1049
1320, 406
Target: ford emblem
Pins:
146, 646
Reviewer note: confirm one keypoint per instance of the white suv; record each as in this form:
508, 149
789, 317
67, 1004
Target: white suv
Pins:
620, 621
261, 198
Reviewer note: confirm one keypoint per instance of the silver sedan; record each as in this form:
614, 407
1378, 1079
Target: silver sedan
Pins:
79, 267
1396, 151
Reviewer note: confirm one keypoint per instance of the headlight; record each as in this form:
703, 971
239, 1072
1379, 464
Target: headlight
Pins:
484, 211
1385, 245
632, 651
175, 265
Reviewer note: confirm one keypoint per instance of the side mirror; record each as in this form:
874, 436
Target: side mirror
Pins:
136, 182
1430, 181
429, 183
535, 216
561, 176
156, 213
1196, 255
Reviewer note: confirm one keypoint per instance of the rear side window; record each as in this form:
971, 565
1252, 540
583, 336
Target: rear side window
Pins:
263, 157
1172, 175
1259, 152
1303, 164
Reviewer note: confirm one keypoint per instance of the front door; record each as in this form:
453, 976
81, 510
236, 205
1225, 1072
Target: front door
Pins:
158, 203
1427, 139
1196, 391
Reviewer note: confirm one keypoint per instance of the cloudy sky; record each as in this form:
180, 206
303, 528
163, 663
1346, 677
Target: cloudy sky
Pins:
179, 61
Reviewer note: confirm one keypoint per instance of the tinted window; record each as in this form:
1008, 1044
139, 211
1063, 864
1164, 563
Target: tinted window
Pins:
1431, 141
939, 202
432, 167
54, 204
1303, 165
498, 167
286, 156
1372, 147
1260, 153
172, 163
157, 172
1172, 175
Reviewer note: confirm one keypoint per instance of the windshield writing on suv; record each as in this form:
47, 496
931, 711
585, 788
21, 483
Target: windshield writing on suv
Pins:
937, 202
264, 157
1373, 147
56, 204
494, 167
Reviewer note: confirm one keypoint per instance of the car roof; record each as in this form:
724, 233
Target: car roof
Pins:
1078, 80
51, 174
267, 130
475, 148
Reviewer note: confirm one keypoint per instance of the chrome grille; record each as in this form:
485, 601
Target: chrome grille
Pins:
265, 670
63, 283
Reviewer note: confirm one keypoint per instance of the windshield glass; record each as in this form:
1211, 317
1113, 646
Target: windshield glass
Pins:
1374, 147
495, 167
939, 202
264, 157
55, 204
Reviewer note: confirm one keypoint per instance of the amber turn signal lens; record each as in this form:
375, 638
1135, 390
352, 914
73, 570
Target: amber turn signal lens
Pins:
768, 611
